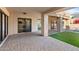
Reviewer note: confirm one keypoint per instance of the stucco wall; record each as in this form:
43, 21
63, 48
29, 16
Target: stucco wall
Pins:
13, 22
51, 19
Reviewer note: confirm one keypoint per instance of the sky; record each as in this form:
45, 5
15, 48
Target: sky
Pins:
74, 10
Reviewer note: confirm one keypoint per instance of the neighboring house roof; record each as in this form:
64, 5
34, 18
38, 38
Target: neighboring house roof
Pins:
76, 21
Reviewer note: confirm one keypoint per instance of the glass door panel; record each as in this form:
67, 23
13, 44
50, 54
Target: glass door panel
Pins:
28, 24
3, 26
0, 29
24, 25
6, 25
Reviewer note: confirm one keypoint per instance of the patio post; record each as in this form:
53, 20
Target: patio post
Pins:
44, 24
60, 24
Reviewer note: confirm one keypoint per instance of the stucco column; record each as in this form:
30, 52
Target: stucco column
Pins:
60, 24
44, 25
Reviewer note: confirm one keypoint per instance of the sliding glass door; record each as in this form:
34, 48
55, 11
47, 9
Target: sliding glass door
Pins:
0, 28
3, 26
24, 25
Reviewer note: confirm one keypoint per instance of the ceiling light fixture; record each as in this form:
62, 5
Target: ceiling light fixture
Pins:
24, 13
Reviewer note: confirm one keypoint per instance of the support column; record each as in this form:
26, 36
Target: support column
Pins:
60, 24
44, 25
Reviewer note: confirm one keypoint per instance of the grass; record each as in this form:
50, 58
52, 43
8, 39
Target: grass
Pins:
68, 37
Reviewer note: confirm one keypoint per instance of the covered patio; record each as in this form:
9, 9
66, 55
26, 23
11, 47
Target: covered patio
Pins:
22, 29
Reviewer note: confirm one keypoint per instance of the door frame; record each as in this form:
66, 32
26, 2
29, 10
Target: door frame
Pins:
1, 25
25, 18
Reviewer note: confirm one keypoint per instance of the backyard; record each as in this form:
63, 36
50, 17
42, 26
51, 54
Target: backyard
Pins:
68, 37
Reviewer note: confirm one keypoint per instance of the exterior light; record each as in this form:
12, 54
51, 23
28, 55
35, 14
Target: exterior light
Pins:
24, 13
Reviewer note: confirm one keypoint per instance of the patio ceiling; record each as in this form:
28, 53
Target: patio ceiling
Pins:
29, 9
35, 9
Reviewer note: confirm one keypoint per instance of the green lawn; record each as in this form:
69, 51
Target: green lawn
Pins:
68, 37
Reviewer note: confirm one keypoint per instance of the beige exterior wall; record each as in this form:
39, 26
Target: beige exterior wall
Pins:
51, 19
13, 22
